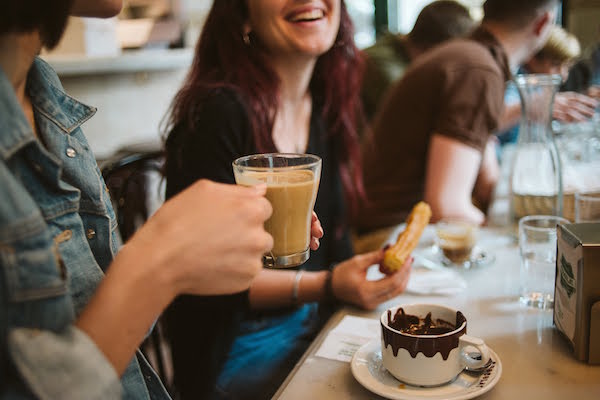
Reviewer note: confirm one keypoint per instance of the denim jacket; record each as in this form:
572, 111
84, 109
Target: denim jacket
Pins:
58, 234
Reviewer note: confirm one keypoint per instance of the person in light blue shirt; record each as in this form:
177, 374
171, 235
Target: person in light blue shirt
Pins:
72, 311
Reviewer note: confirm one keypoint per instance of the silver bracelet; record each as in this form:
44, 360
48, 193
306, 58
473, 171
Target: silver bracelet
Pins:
296, 286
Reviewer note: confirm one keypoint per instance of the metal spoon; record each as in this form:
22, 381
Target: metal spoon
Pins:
480, 370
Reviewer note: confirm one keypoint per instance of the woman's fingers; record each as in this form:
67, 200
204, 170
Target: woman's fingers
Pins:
314, 243
316, 229
393, 285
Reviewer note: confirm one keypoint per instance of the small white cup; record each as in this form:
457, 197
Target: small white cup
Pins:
456, 239
429, 360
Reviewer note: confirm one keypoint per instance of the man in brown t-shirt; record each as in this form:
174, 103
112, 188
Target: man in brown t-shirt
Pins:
431, 138
388, 59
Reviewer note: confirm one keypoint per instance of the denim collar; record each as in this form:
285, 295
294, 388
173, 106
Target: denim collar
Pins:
48, 99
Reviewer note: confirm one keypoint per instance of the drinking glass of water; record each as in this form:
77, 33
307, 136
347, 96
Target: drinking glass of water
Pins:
537, 244
587, 207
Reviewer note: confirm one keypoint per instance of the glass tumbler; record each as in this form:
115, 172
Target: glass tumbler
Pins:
292, 183
537, 245
587, 207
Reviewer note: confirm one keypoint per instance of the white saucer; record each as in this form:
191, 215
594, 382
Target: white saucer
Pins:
367, 367
479, 258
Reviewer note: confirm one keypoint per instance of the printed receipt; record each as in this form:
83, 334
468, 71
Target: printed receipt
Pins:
348, 336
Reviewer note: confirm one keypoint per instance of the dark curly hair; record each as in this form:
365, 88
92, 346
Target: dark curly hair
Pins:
49, 17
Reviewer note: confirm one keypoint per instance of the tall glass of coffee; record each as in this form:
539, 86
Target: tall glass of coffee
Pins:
292, 184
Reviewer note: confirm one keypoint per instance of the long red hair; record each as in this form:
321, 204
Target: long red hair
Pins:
223, 59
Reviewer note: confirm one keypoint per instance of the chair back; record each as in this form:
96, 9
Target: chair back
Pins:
137, 188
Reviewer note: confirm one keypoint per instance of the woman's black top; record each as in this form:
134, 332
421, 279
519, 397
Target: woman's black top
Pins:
202, 328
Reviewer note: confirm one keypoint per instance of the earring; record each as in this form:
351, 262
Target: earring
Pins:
246, 38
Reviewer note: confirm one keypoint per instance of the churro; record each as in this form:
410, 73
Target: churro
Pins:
396, 255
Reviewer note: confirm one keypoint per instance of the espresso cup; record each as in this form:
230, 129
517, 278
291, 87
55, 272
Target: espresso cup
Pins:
429, 359
456, 239
292, 183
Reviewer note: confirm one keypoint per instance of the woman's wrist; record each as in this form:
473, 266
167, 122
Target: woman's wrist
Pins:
296, 287
329, 295
319, 287
277, 288
311, 287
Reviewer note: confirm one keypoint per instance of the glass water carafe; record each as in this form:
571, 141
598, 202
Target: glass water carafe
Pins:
536, 180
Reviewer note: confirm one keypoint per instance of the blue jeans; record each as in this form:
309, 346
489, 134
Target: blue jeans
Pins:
265, 352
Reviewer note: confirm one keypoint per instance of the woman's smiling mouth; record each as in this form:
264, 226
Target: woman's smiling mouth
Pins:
307, 16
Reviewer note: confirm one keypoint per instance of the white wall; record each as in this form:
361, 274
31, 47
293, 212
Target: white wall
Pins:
131, 101
193, 14
408, 10
362, 13
130, 106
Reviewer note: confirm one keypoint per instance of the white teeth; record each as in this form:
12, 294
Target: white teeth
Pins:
308, 15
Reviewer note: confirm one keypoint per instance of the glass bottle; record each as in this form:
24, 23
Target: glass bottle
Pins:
536, 178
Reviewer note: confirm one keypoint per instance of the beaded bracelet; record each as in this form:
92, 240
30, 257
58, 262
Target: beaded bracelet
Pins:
329, 295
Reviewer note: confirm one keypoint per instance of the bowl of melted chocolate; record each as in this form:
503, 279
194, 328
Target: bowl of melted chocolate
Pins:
415, 325
424, 344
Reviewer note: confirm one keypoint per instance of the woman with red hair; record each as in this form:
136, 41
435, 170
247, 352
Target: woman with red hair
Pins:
271, 76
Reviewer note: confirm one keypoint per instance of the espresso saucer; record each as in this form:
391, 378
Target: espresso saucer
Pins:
367, 368
479, 258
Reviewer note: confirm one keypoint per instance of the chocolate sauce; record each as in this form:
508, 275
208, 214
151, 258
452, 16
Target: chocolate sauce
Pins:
425, 343
414, 325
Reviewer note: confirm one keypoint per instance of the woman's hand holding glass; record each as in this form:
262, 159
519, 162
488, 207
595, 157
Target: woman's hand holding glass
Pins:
316, 232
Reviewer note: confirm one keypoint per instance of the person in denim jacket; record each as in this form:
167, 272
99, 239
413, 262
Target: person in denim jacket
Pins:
72, 312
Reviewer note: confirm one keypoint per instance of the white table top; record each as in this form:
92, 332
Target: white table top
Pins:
537, 361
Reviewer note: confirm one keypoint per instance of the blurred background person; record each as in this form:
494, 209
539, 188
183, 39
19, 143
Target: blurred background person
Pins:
271, 76
556, 57
432, 139
388, 58
72, 311
584, 76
